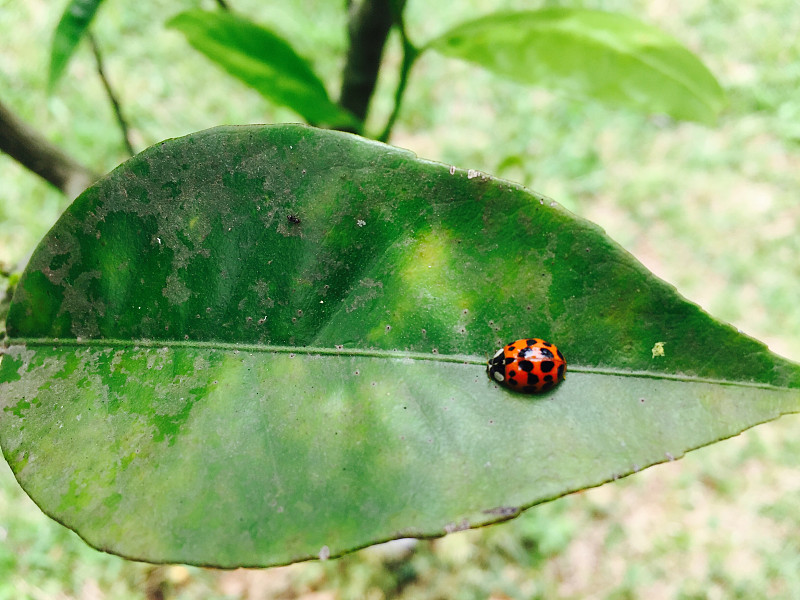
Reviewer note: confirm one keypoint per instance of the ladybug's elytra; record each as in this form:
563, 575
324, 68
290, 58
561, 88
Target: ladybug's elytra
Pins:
530, 366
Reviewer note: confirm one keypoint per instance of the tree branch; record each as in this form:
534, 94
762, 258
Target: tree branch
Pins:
368, 26
29, 148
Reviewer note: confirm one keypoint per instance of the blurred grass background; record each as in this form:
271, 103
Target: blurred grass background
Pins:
714, 211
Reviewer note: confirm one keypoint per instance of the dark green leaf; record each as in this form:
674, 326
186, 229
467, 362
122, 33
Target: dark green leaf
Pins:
264, 61
73, 24
196, 378
605, 56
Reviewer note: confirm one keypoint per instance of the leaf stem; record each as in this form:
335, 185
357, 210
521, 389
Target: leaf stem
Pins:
410, 55
123, 124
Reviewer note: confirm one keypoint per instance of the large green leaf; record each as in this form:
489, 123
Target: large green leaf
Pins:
70, 29
264, 61
602, 55
195, 378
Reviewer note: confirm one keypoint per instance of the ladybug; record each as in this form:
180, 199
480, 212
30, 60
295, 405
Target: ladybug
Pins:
530, 366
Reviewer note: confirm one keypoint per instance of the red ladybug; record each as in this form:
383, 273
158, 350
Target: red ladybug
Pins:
530, 366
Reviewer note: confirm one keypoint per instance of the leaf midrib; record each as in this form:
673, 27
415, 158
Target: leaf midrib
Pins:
354, 352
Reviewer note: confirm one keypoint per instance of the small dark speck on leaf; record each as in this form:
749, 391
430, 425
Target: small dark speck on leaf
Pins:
293, 219
641, 400
502, 511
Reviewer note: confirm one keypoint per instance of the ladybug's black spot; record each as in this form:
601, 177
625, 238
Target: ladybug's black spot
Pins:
561, 356
560, 372
548, 344
548, 378
525, 353
526, 365
513, 382
512, 373
547, 386
546, 366
509, 360
511, 346
529, 389
530, 342
545, 353
532, 379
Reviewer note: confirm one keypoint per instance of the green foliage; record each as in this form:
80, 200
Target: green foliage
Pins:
589, 53
721, 230
71, 28
264, 61
327, 376
594, 54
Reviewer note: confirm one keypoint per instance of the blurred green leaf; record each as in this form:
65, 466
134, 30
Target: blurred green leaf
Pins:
193, 377
605, 56
69, 31
264, 61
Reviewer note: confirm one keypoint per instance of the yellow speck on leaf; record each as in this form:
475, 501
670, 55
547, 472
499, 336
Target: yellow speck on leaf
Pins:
658, 349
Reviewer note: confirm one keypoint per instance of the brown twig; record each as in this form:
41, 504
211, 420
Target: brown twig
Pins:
33, 151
